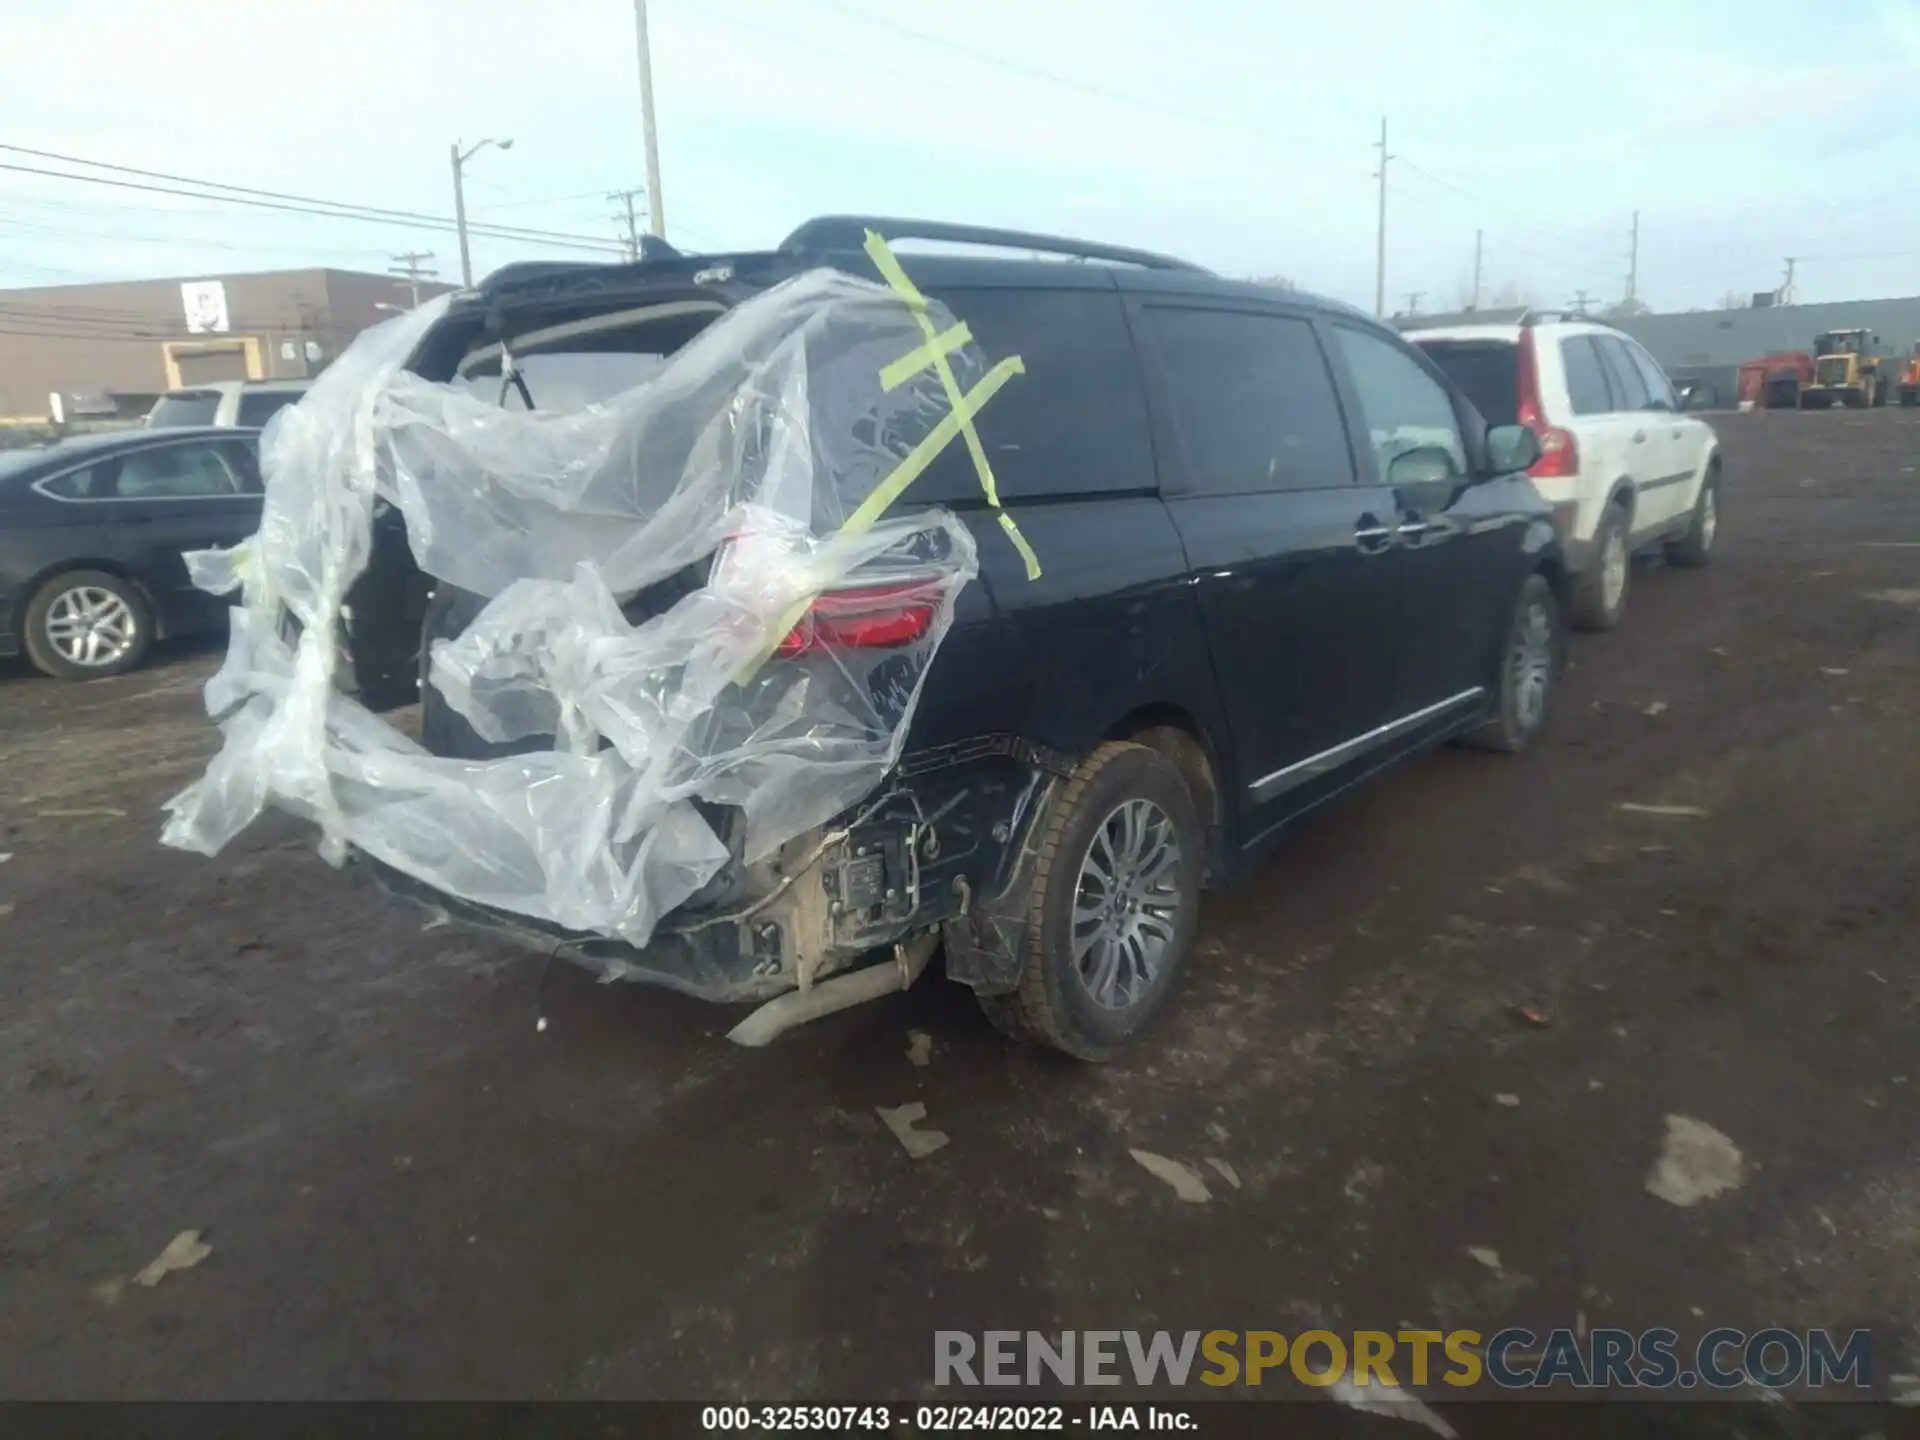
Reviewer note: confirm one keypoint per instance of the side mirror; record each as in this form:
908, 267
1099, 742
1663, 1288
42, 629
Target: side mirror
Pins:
1423, 465
1511, 448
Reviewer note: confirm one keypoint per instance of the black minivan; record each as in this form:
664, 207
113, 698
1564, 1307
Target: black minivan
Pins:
1279, 552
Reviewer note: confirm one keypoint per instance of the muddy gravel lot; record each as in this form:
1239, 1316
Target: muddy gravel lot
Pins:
409, 1192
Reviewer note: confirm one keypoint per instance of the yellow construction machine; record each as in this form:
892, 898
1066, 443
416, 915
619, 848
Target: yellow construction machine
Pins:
1845, 368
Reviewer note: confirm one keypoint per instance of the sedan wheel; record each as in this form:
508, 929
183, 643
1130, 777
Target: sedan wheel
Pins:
90, 627
86, 625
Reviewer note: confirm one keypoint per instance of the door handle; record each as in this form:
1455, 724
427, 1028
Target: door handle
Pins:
1412, 528
1371, 536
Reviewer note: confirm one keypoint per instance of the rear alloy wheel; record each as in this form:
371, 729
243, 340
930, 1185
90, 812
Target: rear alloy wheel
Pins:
1600, 591
87, 625
1695, 548
1529, 668
1114, 906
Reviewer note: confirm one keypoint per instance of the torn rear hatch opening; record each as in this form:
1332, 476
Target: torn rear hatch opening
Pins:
676, 635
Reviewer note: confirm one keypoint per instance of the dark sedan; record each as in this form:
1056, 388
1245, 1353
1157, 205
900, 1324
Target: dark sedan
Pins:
92, 530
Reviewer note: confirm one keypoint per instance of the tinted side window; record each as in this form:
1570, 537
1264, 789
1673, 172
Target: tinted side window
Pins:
176, 472
1252, 399
1629, 389
1586, 381
1074, 423
1405, 408
1659, 389
259, 406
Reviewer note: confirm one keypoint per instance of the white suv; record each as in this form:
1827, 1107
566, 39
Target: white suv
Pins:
1621, 465
247, 403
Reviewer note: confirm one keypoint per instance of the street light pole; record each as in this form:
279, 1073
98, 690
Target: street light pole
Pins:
460, 159
460, 215
656, 206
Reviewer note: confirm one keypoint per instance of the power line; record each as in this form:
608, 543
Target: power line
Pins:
277, 200
1053, 77
523, 204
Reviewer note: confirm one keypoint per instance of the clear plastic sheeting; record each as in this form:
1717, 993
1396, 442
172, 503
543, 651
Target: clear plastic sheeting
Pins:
779, 690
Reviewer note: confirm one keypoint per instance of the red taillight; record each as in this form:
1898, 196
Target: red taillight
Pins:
1559, 455
875, 618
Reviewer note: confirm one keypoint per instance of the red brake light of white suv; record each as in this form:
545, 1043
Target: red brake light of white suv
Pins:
1559, 454
875, 617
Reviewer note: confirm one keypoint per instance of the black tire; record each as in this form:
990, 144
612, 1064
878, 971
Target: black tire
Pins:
1055, 1005
1593, 608
1524, 690
1695, 548
56, 602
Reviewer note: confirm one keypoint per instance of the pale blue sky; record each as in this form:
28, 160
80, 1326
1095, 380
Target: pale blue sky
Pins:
1234, 132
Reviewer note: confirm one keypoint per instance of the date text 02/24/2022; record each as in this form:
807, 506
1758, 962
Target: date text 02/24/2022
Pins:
940, 1419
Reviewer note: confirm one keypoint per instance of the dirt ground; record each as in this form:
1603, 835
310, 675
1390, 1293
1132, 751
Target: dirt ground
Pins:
411, 1193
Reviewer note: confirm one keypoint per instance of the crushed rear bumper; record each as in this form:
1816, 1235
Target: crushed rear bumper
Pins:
945, 844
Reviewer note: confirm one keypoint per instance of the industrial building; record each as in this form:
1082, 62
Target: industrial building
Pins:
107, 349
1709, 346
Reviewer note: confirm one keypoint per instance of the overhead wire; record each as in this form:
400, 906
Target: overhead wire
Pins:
220, 193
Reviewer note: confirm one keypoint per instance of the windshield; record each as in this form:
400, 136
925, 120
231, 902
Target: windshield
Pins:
187, 407
1486, 370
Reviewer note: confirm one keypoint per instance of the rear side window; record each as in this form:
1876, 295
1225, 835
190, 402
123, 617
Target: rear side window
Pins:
185, 407
260, 406
1586, 381
1252, 399
168, 472
1487, 372
1075, 423
1622, 374
1404, 406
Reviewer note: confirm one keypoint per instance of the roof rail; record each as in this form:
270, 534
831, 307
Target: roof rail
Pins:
1531, 316
849, 232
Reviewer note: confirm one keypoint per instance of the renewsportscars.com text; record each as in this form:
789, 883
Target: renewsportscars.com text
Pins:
1512, 1359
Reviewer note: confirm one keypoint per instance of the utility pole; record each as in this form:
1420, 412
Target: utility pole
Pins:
1579, 302
460, 158
1785, 297
1413, 301
1380, 243
1478, 236
656, 207
1633, 262
411, 272
630, 236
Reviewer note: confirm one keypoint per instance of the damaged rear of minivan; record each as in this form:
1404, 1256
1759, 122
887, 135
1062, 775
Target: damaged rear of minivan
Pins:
641, 540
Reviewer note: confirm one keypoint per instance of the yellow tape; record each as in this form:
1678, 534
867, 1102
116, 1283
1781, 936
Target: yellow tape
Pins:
914, 361
958, 421
888, 265
1020, 544
928, 450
